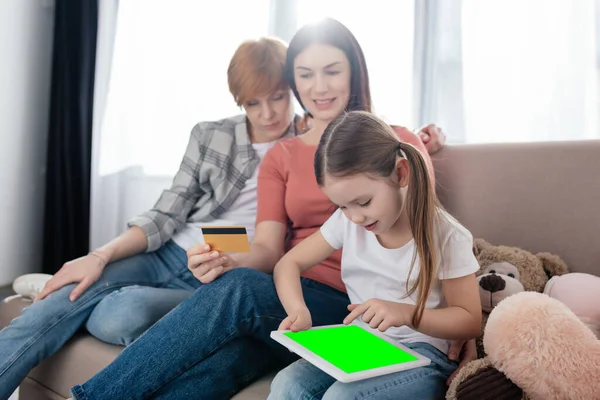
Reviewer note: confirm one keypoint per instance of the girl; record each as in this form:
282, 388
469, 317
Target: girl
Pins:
407, 265
202, 346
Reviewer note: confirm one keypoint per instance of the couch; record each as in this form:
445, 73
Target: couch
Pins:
539, 196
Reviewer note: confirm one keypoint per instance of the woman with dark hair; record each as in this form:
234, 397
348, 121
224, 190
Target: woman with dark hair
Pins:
201, 348
332, 33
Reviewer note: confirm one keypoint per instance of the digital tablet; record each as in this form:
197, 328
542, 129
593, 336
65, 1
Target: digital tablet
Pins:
349, 352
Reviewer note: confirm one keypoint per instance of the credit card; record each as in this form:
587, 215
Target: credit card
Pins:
227, 239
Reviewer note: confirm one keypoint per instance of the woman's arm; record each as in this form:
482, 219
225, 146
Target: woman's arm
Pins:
266, 248
171, 210
131, 242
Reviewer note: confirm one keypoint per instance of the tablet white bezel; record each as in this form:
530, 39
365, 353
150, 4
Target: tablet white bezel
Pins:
337, 373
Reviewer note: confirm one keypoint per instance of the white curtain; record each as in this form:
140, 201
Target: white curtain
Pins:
161, 69
102, 207
511, 70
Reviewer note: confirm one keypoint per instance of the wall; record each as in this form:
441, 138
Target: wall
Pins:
26, 31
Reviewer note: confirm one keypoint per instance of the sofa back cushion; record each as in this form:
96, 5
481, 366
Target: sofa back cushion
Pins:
543, 197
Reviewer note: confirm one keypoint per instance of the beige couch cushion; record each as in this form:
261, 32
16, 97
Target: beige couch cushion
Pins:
539, 196
33, 390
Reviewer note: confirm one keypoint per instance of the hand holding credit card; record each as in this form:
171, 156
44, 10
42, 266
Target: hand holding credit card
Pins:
226, 239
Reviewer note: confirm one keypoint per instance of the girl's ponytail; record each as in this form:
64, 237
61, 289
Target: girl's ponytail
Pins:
422, 211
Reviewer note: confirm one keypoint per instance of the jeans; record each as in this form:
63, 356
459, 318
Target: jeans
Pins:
43, 327
123, 315
213, 344
304, 381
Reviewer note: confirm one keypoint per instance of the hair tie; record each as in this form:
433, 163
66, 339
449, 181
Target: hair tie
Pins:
399, 150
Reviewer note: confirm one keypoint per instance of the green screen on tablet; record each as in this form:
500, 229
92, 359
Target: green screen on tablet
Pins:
351, 348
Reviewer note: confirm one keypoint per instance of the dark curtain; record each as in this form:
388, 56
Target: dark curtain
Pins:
67, 201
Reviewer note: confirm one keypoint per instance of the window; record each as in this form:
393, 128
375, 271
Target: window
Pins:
518, 71
169, 71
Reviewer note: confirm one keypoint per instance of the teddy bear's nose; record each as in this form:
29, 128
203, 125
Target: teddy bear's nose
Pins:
492, 283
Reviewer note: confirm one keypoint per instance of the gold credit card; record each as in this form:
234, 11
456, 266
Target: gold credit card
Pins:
227, 239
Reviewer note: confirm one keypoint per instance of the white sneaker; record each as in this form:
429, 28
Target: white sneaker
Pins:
30, 285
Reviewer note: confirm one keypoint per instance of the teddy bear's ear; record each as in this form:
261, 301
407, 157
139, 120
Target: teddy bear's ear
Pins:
553, 264
479, 245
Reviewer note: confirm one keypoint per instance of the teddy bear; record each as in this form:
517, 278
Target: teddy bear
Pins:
539, 343
547, 343
504, 271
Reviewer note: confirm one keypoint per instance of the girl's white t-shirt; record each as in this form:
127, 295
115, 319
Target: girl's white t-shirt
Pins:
370, 270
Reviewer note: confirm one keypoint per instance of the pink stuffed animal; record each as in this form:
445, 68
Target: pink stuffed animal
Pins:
543, 347
581, 293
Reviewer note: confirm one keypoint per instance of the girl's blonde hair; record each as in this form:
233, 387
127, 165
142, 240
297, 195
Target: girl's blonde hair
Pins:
357, 142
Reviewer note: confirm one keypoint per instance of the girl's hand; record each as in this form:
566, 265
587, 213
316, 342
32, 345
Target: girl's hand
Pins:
381, 314
465, 351
297, 321
207, 265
